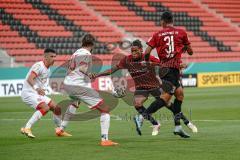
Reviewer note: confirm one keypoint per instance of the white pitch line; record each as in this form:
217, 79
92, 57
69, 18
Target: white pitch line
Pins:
120, 119
18, 119
217, 120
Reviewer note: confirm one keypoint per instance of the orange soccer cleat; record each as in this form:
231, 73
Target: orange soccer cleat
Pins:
108, 143
61, 133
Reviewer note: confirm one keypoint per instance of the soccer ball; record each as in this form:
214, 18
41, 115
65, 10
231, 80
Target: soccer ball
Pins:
119, 92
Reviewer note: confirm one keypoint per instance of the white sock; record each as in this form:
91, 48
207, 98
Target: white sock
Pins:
69, 113
57, 120
35, 117
105, 124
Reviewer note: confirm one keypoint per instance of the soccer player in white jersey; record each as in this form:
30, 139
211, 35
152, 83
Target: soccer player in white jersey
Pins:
34, 91
77, 84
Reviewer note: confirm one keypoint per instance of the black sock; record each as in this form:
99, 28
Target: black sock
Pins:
177, 118
141, 110
177, 111
184, 118
177, 105
156, 105
171, 108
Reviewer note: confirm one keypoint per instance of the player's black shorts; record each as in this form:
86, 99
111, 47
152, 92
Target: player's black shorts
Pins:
171, 80
155, 92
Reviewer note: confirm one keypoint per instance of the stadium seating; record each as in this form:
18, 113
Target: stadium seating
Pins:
29, 26
206, 32
229, 9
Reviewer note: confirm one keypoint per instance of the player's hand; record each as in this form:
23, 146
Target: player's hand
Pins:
184, 49
40, 91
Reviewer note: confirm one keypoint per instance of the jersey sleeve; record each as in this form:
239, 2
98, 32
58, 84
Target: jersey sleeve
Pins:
152, 42
80, 60
36, 69
185, 38
122, 63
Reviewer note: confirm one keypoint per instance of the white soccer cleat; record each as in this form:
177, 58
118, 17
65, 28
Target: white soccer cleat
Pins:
27, 132
192, 127
156, 129
179, 131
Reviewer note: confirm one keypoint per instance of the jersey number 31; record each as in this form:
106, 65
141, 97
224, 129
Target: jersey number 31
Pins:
170, 43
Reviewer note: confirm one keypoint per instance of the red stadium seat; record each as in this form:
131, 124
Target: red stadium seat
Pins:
93, 16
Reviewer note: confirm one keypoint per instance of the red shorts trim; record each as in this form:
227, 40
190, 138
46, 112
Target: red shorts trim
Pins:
42, 111
49, 104
97, 105
38, 106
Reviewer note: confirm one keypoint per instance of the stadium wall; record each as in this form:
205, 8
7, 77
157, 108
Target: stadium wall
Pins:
196, 75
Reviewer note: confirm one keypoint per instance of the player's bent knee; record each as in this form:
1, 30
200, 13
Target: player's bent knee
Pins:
180, 96
166, 97
43, 108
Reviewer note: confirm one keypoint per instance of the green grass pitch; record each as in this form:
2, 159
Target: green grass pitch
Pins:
215, 111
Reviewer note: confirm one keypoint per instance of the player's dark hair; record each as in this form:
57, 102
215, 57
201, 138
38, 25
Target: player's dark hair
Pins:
137, 43
167, 17
88, 40
49, 50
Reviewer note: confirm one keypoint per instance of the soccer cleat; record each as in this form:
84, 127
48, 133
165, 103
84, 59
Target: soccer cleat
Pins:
179, 131
138, 122
156, 129
61, 133
27, 132
108, 143
192, 127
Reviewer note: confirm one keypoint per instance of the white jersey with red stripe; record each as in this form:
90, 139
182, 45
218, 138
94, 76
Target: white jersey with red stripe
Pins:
80, 66
42, 77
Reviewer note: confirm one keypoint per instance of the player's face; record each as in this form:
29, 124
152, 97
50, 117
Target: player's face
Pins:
136, 52
50, 58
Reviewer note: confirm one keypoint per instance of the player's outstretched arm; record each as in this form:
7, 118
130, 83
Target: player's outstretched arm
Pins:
107, 72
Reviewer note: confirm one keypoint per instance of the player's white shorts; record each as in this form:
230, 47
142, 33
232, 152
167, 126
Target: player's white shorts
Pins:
33, 99
85, 94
